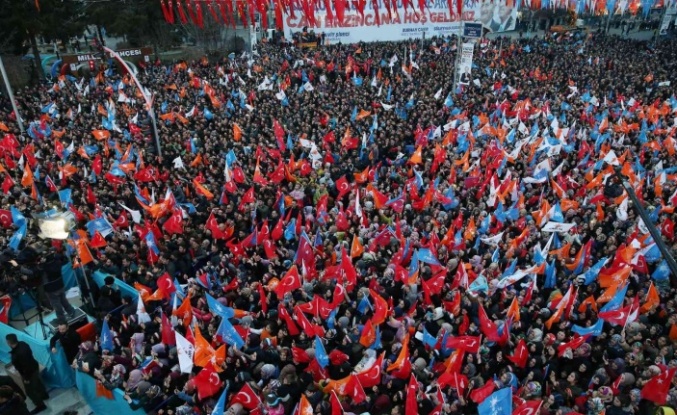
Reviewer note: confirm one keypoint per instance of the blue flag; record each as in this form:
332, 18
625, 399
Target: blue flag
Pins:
229, 335
662, 271
102, 226
219, 309
150, 242
15, 240
616, 301
65, 197
106, 339
321, 353
290, 230
426, 256
220, 407
498, 403
363, 305
480, 284
550, 280
428, 339
594, 330
592, 272
17, 217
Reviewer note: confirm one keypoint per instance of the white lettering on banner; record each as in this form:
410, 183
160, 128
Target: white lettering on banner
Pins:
436, 21
85, 58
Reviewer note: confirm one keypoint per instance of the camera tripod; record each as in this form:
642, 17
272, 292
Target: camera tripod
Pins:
44, 327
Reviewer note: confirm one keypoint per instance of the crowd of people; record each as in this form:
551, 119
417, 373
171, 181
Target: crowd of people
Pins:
344, 230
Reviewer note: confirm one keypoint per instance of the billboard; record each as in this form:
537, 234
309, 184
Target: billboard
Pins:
132, 55
436, 21
465, 65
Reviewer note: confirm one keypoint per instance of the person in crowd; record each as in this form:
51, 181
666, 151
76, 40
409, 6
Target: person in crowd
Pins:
68, 338
343, 229
24, 362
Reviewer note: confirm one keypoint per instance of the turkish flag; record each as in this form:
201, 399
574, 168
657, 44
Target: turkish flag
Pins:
290, 282
381, 309
336, 408
306, 326
299, 355
616, 317
168, 337
97, 240
284, 315
246, 397
372, 376
436, 283
97, 165
487, 326
478, 395
7, 184
573, 344
342, 186
5, 218
668, 229
174, 224
348, 270
166, 284
657, 388
470, 344
521, 354
355, 391
528, 408
207, 382
411, 405
121, 221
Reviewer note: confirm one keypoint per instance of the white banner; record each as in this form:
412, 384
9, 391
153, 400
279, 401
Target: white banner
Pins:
436, 21
465, 65
557, 227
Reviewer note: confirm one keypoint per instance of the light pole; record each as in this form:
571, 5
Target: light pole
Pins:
11, 96
655, 234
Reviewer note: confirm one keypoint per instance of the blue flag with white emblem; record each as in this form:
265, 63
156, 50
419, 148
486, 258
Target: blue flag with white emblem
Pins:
321, 353
106, 339
498, 403
219, 309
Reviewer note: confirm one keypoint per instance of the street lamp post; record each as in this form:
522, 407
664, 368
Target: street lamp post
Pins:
11, 96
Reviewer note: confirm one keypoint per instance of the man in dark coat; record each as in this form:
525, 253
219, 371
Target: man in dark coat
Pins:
68, 338
28, 368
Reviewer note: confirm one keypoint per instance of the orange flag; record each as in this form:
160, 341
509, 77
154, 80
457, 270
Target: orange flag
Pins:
144, 291
618, 277
101, 134
237, 132
590, 301
83, 252
608, 294
356, 249
652, 299
204, 352
368, 335
514, 310
185, 311
470, 230
3, 127
304, 408
402, 358
197, 160
417, 157
202, 190
363, 114
27, 178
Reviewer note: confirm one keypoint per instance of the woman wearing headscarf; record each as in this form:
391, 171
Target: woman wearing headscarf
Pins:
114, 380
135, 377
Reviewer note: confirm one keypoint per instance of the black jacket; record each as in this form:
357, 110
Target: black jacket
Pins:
70, 341
51, 271
23, 361
15, 406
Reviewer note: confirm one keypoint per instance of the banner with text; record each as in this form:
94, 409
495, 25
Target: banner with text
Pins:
465, 65
436, 21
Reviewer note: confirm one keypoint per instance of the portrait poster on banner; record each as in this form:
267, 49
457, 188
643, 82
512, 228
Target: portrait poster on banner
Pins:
437, 20
465, 65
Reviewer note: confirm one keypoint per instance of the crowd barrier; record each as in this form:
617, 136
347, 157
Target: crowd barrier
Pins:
101, 405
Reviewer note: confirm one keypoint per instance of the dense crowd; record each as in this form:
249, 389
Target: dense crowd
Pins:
341, 229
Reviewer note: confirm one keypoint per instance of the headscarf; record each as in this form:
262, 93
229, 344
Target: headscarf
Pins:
135, 376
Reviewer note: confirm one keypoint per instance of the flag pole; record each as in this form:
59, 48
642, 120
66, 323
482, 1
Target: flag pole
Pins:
11, 96
458, 49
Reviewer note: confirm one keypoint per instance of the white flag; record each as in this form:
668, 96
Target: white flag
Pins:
185, 351
136, 215
178, 163
438, 94
141, 312
358, 208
